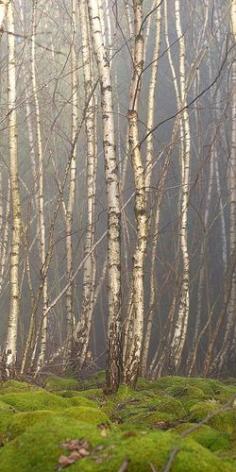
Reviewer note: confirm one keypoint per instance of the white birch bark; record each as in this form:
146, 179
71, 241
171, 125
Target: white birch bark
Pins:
112, 187
83, 328
135, 322
70, 316
3, 11
149, 163
181, 321
40, 196
129, 18
4, 251
13, 317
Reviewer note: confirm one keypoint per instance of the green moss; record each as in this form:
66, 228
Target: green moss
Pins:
170, 381
144, 384
35, 400
164, 409
206, 436
39, 448
54, 383
34, 423
13, 426
185, 392
143, 407
92, 394
226, 393
14, 386
87, 414
224, 421
96, 380
67, 393
142, 450
209, 387
5, 407
82, 401
126, 393
229, 381
110, 408
203, 409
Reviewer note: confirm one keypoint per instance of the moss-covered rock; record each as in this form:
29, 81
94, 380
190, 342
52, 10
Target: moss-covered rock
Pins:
206, 436
154, 448
130, 424
144, 407
186, 393
87, 414
209, 387
79, 400
38, 449
220, 419
37, 400
14, 386
13, 426
165, 409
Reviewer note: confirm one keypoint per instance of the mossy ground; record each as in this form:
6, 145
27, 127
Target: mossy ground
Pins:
142, 426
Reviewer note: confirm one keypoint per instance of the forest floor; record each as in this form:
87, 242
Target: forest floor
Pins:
174, 424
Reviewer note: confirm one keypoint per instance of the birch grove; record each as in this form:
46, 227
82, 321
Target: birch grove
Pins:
117, 189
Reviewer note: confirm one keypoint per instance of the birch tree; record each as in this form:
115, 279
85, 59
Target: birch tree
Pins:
70, 315
83, 328
230, 332
3, 12
149, 163
135, 320
180, 329
40, 196
13, 317
113, 202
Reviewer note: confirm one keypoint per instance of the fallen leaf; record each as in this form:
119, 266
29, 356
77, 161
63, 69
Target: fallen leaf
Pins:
64, 461
74, 456
79, 448
84, 452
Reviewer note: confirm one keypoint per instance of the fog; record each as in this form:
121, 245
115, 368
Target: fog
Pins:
133, 266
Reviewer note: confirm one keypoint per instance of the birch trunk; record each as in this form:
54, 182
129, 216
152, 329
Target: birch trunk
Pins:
203, 253
13, 317
70, 316
149, 163
4, 252
181, 322
3, 12
40, 196
228, 338
114, 213
83, 328
134, 333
